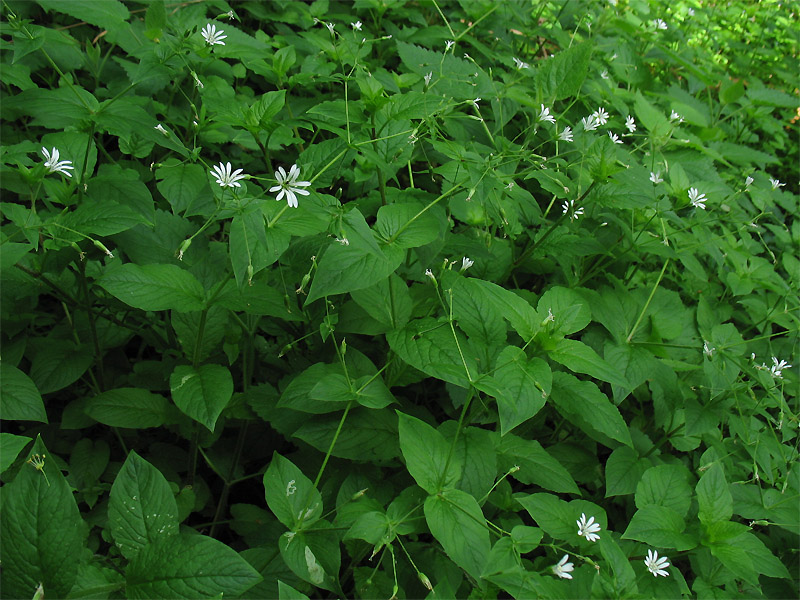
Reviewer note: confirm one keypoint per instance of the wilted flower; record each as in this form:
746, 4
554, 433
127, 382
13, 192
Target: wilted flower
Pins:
544, 115
448, 44
748, 181
655, 564
161, 129
777, 367
630, 123
614, 138
601, 116
54, 165
590, 123
225, 178
570, 206
330, 27
466, 263
589, 528
697, 199
356, 26
604, 74
289, 186
564, 568
659, 24
775, 183
428, 78
212, 36
707, 349
566, 134
656, 177
519, 63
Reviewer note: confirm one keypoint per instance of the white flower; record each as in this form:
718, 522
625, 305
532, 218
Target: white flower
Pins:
429, 273
656, 565
748, 181
777, 367
356, 26
690, 12
289, 186
343, 241
601, 116
570, 206
212, 36
604, 74
775, 183
675, 117
659, 24
428, 78
448, 44
475, 102
697, 199
614, 138
54, 165
566, 134
225, 178
544, 115
563, 568
466, 263
590, 123
519, 63
656, 177
330, 27
160, 128
630, 123
588, 528
708, 350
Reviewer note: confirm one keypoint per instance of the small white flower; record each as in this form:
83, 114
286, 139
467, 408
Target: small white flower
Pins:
656, 177
212, 36
230, 14
448, 44
225, 178
330, 27
775, 183
466, 263
659, 24
519, 63
566, 134
690, 12
356, 26
748, 181
428, 78
697, 199
475, 102
544, 115
601, 116
289, 186
604, 74
590, 123
564, 568
343, 241
589, 528
429, 273
675, 117
54, 165
655, 564
707, 349
550, 318
570, 206
777, 367
161, 129
614, 138
630, 123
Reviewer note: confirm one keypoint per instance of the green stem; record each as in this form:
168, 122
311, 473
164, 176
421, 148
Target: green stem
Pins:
647, 304
199, 339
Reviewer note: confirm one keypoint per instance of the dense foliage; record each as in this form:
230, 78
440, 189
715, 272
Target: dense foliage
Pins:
387, 298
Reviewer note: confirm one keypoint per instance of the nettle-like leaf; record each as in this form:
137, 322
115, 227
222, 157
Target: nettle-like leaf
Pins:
203, 392
19, 398
290, 494
427, 455
154, 287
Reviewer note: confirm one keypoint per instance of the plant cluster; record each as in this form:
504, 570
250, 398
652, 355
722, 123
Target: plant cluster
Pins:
399, 299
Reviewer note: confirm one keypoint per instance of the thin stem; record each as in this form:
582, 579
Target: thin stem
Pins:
647, 304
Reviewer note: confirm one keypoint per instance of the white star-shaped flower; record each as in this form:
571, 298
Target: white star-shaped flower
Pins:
289, 186
212, 36
675, 117
656, 177
708, 349
566, 134
604, 74
601, 116
330, 27
697, 199
544, 115
659, 24
448, 44
775, 183
589, 528
519, 63
563, 568
428, 78
655, 564
225, 178
630, 123
160, 129
614, 138
466, 263
590, 123
690, 12
356, 26
777, 367
54, 165
570, 206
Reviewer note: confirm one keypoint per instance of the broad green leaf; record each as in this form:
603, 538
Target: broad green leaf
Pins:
714, 496
553, 515
188, 566
314, 556
580, 358
202, 393
52, 109
624, 580
525, 383
10, 447
287, 592
373, 527
430, 346
764, 561
290, 494
589, 409
456, 521
665, 485
262, 111
187, 328
95, 581
536, 466
569, 309
395, 225
141, 507
372, 392
42, 530
102, 217
107, 14
368, 434
154, 287
736, 558
660, 527
388, 301
20, 400
526, 538
624, 470
475, 455
248, 245
57, 364
426, 452
129, 407
478, 318
520, 583
503, 557
185, 186
520, 315
563, 75
297, 395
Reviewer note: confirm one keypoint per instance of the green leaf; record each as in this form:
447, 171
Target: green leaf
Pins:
425, 451
430, 346
388, 301
314, 556
563, 74
94, 581
202, 393
521, 315
10, 447
580, 358
42, 531
665, 485
185, 186
20, 400
248, 245
395, 225
106, 14
141, 507
154, 287
624, 470
589, 409
456, 521
536, 466
569, 309
287, 592
559, 518
188, 566
290, 494
57, 364
624, 579
660, 527
102, 217
714, 496
262, 111
129, 407
478, 318
526, 384
370, 435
